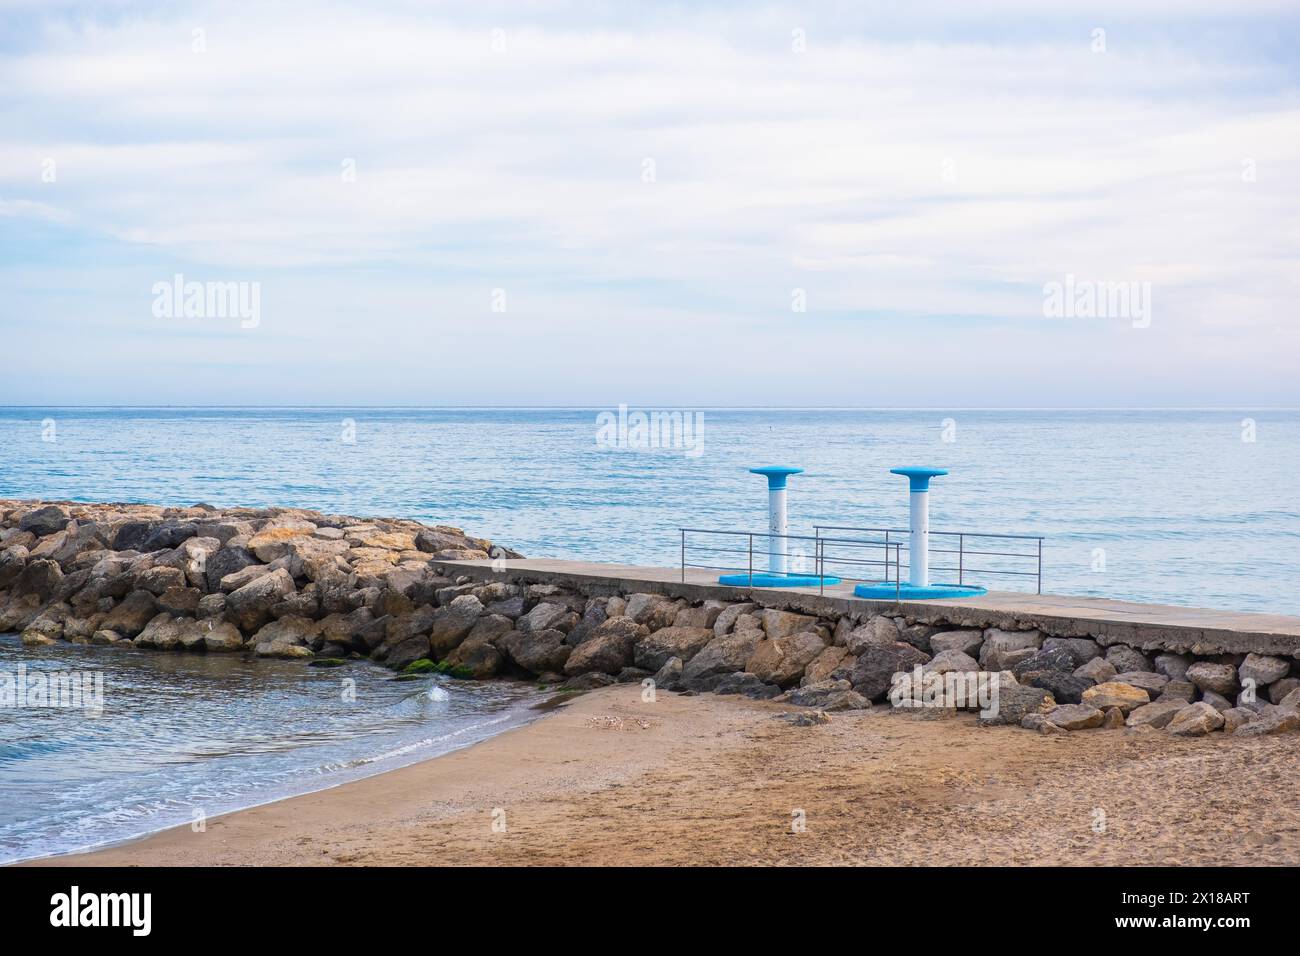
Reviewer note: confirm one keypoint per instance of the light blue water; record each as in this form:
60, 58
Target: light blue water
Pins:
1163, 506
184, 736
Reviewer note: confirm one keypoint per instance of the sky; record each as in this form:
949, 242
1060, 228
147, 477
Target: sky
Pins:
840, 204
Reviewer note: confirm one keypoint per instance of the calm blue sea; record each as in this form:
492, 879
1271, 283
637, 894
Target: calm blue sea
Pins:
1181, 507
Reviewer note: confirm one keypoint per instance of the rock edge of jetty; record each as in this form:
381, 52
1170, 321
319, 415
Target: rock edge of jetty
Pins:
295, 583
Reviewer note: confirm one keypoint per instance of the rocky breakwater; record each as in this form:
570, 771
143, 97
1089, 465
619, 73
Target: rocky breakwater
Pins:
273, 582
290, 583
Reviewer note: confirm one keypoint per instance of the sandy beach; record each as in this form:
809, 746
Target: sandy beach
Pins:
610, 779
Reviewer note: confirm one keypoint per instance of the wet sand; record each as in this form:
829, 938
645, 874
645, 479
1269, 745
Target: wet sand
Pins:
610, 779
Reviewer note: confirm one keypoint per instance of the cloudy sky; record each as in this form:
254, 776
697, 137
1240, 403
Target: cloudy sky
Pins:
705, 204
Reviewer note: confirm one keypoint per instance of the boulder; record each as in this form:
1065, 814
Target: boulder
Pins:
489, 627
918, 635
130, 617
670, 675
12, 562
781, 661
220, 635
226, 561
640, 606
1215, 700
41, 577
272, 543
1076, 716
1234, 718
1195, 720
478, 656
1047, 659
1279, 691
157, 580
1179, 690
131, 535
1127, 659
873, 674
704, 616
968, 642
1002, 650
401, 653
1082, 649
1149, 681
541, 618
1155, 714
167, 535
180, 600
777, 624
720, 657
292, 630
162, 633
1114, 694
607, 652
1173, 666
451, 624
1275, 720
1098, 670
43, 521
653, 651
246, 575
879, 631
538, 652
950, 660
828, 695
1064, 688
746, 685
1220, 678
1114, 719
1263, 669
824, 664
1015, 703
593, 616
249, 607
403, 627
726, 620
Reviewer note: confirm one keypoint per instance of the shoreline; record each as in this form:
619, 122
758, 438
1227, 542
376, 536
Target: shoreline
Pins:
610, 779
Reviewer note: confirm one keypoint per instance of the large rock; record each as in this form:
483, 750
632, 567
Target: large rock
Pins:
245, 575
130, 617
452, 624
1156, 714
726, 620
398, 655
162, 633
873, 674
1002, 650
1263, 669
158, 580
249, 607
641, 606
40, 577
605, 652
1220, 678
1173, 666
1016, 702
653, 651
951, 660
1149, 681
44, 521
1082, 649
1195, 720
1126, 659
746, 685
782, 660
879, 631
12, 562
1279, 691
290, 630
131, 535
1098, 670
220, 635
1275, 720
824, 665
478, 656
277, 542
538, 652
1047, 659
967, 641
1065, 688
778, 624
1237, 717
706, 615
670, 675
543, 617
1114, 694
720, 657
226, 561
828, 695
1076, 716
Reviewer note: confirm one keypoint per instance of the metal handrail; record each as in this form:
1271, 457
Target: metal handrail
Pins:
820, 557
962, 551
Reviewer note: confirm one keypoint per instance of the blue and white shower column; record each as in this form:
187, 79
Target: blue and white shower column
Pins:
918, 585
778, 569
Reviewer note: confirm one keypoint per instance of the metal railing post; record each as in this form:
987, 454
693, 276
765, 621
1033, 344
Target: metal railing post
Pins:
751, 560
1040, 565
961, 557
683, 555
